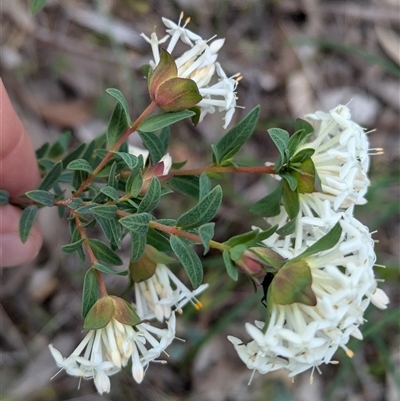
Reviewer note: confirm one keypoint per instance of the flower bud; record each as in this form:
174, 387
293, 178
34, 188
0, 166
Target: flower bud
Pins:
170, 92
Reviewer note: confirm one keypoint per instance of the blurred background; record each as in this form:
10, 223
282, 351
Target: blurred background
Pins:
296, 57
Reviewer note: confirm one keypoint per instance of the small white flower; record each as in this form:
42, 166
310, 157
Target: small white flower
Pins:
199, 64
343, 282
167, 162
162, 293
341, 157
146, 343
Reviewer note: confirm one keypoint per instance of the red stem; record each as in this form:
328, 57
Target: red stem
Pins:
219, 169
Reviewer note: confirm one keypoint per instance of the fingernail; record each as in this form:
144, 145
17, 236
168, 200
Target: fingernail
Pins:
13, 252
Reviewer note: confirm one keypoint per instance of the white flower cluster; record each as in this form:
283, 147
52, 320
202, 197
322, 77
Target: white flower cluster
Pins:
103, 352
199, 64
299, 337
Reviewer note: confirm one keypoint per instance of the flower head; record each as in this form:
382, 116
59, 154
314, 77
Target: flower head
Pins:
162, 293
198, 64
341, 156
343, 282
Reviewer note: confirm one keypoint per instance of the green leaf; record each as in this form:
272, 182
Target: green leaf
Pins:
78, 177
303, 131
26, 222
104, 253
41, 152
51, 177
241, 238
288, 228
328, 241
117, 125
75, 203
206, 233
237, 251
292, 283
204, 185
261, 236
288, 177
60, 146
110, 192
111, 229
109, 270
164, 138
90, 291
42, 197
138, 244
158, 240
112, 180
153, 144
270, 205
152, 196
4, 197
117, 94
137, 223
37, 5
72, 247
302, 155
230, 266
130, 160
189, 260
187, 184
280, 138
100, 314
290, 200
73, 155
204, 211
235, 138
134, 182
154, 123
105, 211
80, 164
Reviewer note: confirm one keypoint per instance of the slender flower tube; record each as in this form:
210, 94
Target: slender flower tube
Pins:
199, 64
162, 293
344, 285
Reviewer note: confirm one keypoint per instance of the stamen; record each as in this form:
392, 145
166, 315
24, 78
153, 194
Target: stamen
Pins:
251, 377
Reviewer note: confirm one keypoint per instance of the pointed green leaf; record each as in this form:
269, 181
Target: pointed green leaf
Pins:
290, 200
235, 138
292, 283
78, 177
158, 240
241, 238
302, 155
306, 177
110, 192
230, 266
111, 229
41, 152
153, 144
73, 155
204, 185
206, 233
104, 253
187, 184
42, 197
152, 196
109, 270
270, 205
204, 211
105, 211
117, 94
138, 244
4, 197
328, 241
112, 180
189, 260
117, 125
90, 291
303, 131
60, 146
26, 222
164, 138
130, 160
72, 247
134, 183
288, 177
154, 123
51, 177
288, 228
280, 138
137, 223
